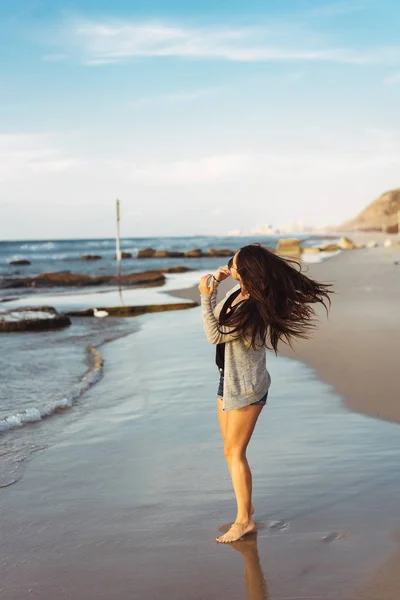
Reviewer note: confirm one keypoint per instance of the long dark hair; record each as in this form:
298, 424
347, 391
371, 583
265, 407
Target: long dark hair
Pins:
279, 306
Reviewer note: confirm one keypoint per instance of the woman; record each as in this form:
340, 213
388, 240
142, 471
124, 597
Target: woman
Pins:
271, 302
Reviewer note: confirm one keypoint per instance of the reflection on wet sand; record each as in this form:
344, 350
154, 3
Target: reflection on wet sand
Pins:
255, 582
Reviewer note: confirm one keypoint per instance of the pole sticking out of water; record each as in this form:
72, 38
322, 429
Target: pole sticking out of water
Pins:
118, 247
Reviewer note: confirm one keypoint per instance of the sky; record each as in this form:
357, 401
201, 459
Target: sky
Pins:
201, 117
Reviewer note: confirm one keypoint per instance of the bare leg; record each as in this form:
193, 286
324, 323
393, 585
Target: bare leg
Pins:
238, 429
223, 419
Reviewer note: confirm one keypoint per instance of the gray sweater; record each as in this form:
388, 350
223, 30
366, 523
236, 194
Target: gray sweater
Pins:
246, 378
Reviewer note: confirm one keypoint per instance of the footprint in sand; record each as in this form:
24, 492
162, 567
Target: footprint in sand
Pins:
278, 525
332, 537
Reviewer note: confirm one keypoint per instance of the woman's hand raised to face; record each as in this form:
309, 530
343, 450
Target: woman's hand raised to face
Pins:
203, 285
221, 274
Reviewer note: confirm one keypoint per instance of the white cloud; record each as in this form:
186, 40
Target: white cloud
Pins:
40, 155
257, 166
102, 42
98, 62
203, 170
22, 154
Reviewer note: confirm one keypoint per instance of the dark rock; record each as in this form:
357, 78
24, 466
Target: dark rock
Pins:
196, 253
91, 257
125, 255
177, 269
220, 252
174, 254
134, 311
32, 319
330, 248
147, 278
9, 299
21, 261
146, 253
151, 253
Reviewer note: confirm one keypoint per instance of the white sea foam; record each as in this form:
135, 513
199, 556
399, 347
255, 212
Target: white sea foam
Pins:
26, 315
35, 414
39, 246
318, 257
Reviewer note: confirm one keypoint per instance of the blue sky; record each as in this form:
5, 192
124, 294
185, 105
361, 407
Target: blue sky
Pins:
201, 117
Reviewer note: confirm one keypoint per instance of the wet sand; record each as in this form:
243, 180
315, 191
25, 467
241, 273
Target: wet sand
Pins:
127, 502
357, 350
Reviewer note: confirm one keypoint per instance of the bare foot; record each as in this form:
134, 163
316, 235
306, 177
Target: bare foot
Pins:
237, 531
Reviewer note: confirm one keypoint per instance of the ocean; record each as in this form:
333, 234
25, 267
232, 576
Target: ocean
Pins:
65, 255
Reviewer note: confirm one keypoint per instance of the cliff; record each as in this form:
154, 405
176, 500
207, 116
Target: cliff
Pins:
382, 212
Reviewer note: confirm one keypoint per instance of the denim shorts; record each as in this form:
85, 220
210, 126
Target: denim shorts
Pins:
261, 402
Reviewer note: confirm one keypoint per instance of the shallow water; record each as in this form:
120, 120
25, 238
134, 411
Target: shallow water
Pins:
145, 488
45, 373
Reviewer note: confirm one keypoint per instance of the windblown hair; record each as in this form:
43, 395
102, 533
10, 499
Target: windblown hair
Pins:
279, 306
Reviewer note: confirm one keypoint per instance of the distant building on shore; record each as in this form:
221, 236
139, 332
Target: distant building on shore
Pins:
297, 227
235, 232
264, 230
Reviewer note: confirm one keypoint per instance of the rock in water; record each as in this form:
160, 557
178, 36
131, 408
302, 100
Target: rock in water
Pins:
61, 279
220, 252
289, 247
175, 254
330, 248
346, 244
32, 319
310, 250
21, 261
177, 269
196, 253
146, 253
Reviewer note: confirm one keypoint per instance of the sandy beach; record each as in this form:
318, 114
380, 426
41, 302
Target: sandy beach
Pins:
127, 500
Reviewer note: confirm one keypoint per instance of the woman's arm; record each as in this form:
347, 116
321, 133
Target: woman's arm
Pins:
210, 323
213, 297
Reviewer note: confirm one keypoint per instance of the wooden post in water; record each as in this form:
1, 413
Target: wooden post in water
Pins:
118, 247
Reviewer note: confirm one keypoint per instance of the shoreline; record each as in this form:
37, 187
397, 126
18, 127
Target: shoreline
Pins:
356, 351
